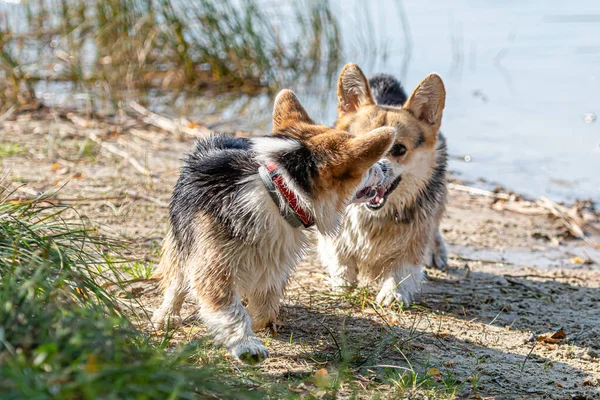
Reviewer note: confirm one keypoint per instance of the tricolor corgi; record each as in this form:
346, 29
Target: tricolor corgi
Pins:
239, 216
391, 237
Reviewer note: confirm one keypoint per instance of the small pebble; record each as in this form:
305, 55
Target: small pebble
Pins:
589, 118
592, 353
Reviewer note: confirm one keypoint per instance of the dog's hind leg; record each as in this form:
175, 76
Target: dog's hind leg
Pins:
343, 274
439, 253
170, 272
224, 315
168, 313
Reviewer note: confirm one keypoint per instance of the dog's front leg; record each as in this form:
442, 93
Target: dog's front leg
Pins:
401, 285
263, 304
343, 273
226, 319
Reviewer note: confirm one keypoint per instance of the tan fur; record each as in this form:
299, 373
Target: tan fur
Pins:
220, 270
351, 91
378, 244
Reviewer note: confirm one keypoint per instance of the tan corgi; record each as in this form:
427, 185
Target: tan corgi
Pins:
239, 213
390, 238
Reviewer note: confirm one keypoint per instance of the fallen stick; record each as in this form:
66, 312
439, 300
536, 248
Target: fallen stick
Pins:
167, 124
146, 136
483, 261
520, 207
84, 123
525, 276
7, 114
480, 192
123, 154
572, 222
35, 195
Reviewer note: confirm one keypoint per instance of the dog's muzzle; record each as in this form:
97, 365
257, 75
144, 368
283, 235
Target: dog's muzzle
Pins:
386, 186
367, 189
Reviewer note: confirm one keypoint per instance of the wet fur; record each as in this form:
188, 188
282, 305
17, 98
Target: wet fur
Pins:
227, 239
392, 244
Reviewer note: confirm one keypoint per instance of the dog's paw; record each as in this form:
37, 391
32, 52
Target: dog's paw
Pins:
439, 253
268, 324
400, 291
387, 297
160, 321
250, 351
341, 286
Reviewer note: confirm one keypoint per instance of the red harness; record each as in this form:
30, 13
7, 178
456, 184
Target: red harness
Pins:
290, 198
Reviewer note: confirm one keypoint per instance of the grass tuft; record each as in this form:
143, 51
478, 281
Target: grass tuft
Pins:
62, 335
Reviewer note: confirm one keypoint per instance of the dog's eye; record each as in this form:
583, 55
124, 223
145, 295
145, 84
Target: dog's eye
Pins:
398, 150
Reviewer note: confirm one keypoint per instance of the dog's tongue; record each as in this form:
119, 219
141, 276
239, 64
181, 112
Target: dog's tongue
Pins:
378, 196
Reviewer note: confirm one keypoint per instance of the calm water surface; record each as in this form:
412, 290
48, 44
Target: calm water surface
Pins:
523, 84
522, 77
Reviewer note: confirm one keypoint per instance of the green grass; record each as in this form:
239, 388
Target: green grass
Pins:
10, 149
119, 47
138, 269
63, 336
443, 386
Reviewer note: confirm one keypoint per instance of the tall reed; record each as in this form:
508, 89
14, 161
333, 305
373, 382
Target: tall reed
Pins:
120, 46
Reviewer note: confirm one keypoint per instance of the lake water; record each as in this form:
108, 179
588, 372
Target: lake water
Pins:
522, 80
523, 84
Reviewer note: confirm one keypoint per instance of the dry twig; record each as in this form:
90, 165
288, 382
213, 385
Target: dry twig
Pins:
123, 154
167, 124
571, 220
479, 192
151, 199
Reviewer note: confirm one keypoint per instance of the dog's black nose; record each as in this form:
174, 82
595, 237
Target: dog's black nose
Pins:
384, 167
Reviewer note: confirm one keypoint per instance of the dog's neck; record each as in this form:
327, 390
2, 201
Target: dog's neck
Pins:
284, 197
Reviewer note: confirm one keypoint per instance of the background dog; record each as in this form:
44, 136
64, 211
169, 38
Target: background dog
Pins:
391, 237
237, 212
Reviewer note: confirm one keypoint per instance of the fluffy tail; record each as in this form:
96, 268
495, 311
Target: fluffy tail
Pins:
387, 90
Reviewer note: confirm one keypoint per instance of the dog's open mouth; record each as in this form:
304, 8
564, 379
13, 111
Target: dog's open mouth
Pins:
366, 194
382, 194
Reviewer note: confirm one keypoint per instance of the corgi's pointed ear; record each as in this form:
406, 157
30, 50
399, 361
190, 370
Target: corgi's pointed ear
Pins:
288, 111
427, 101
368, 148
353, 90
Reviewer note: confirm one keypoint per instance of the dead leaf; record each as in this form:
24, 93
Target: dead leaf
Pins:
553, 338
322, 378
78, 175
449, 364
440, 334
434, 373
81, 292
558, 384
546, 339
91, 365
559, 334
